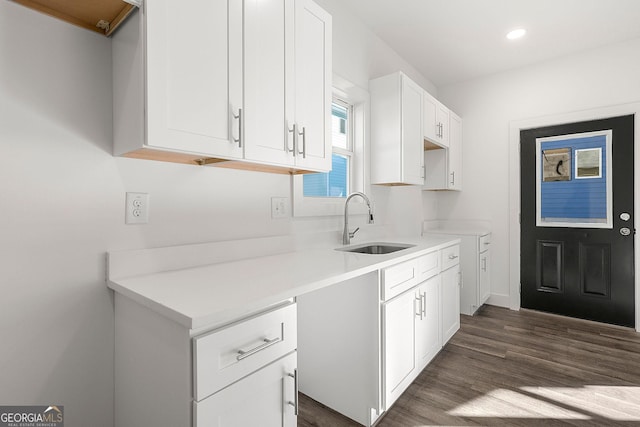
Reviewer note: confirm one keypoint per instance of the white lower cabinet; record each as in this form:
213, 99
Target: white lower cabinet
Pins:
363, 341
264, 398
428, 331
412, 336
239, 374
399, 341
450, 295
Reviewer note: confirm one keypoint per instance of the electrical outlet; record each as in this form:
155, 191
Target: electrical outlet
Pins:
137, 208
279, 207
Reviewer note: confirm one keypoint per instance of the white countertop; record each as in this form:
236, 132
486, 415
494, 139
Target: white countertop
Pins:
206, 295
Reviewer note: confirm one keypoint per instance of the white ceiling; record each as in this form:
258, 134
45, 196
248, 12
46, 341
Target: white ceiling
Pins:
450, 41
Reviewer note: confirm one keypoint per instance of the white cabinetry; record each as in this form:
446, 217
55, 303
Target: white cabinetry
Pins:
450, 293
261, 399
475, 266
428, 330
240, 374
443, 166
396, 131
240, 84
435, 122
399, 342
362, 342
476, 272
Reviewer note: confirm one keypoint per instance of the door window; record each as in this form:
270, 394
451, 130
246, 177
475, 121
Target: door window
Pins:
573, 180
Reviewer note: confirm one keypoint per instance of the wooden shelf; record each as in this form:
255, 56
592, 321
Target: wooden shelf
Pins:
89, 14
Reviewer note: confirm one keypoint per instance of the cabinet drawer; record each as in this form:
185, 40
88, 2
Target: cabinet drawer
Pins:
261, 399
399, 278
227, 355
485, 242
450, 256
428, 266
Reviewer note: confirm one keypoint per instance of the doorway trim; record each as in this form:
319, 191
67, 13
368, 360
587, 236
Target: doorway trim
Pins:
515, 127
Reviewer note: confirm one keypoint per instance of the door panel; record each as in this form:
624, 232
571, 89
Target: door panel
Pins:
550, 266
578, 269
595, 269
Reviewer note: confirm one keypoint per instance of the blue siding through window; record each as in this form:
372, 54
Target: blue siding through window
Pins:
332, 184
576, 198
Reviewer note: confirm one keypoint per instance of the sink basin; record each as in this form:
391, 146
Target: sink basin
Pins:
376, 248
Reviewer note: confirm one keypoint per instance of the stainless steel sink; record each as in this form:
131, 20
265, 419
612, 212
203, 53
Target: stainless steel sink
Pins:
376, 248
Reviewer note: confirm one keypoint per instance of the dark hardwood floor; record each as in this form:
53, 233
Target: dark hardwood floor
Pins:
518, 369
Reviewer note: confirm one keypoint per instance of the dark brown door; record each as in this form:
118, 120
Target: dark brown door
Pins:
577, 220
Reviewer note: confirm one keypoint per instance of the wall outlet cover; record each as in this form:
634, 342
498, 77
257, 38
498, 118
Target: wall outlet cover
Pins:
137, 208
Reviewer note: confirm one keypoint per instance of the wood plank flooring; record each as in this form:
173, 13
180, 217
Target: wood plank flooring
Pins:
510, 368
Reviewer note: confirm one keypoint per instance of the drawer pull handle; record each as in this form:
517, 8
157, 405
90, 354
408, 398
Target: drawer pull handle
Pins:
453, 256
242, 354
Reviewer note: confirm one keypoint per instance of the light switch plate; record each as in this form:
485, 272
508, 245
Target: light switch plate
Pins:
279, 207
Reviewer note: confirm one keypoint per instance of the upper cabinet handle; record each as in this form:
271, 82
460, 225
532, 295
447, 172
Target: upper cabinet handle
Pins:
286, 137
239, 117
304, 143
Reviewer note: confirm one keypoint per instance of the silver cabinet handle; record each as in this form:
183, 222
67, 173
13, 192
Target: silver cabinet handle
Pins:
242, 354
423, 303
295, 403
453, 256
453, 178
420, 311
304, 142
239, 117
484, 264
286, 137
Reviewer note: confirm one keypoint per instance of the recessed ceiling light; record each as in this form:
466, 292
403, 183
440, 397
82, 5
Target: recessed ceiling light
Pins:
516, 34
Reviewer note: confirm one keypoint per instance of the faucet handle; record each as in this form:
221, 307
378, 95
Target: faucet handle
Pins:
353, 233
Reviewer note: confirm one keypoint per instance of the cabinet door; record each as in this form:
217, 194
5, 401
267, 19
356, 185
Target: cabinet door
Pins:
399, 346
428, 341
429, 128
312, 86
261, 399
450, 302
194, 72
412, 138
442, 120
485, 277
455, 153
268, 62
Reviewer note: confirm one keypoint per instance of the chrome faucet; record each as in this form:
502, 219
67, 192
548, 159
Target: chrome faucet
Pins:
347, 235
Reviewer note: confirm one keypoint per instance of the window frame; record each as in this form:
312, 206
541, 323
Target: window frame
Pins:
357, 99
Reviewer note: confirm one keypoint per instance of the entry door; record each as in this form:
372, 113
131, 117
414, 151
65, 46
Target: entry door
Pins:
577, 220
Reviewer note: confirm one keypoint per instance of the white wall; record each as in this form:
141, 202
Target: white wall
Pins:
593, 79
62, 204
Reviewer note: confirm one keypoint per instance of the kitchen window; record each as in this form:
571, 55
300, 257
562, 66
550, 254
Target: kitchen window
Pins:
335, 183
323, 194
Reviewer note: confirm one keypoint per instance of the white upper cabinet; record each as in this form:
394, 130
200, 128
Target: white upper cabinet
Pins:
454, 160
443, 166
435, 121
175, 99
268, 71
225, 83
313, 70
396, 131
